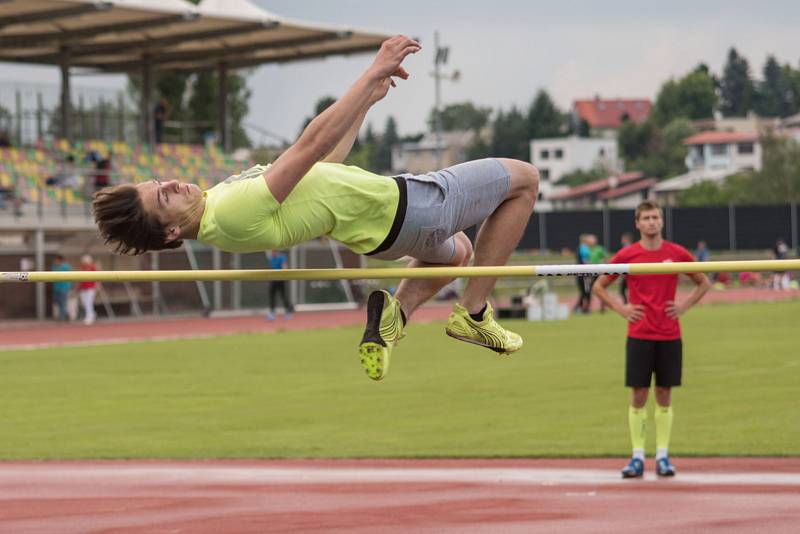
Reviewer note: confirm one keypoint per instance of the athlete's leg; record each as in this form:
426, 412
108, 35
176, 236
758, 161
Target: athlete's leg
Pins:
412, 293
501, 231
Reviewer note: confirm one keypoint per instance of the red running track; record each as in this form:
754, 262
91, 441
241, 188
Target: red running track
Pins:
429, 496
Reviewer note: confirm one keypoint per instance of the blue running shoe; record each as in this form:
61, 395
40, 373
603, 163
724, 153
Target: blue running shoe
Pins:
664, 468
635, 469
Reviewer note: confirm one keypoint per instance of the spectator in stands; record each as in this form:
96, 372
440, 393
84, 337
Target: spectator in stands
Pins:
61, 289
584, 302
159, 117
625, 240
5, 140
102, 176
277, 260
780, 280
702, 253
68, 177
87, 291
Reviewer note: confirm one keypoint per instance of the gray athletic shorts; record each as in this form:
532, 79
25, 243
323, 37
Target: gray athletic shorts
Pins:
441, 204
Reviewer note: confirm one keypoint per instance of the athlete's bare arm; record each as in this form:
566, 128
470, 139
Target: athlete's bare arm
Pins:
343, 148
328, 129
629, 312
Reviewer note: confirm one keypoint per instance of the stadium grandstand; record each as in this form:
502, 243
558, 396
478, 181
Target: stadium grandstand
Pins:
49, 172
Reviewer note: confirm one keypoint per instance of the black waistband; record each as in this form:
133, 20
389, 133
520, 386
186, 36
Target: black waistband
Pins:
399, 217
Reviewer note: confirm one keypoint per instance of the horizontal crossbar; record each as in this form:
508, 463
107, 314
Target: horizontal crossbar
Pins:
505, 271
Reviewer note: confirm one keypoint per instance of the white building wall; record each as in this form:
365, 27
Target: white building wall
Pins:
723, 158
556, 157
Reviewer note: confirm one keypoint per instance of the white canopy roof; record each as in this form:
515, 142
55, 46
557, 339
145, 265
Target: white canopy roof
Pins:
117, 35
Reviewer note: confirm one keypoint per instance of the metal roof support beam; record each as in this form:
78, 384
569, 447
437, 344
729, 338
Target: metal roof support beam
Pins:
205, 55
157, 42
147, 126
51, 15
223, 124
66, 97
39, 39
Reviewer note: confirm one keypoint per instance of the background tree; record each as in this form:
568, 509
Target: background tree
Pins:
736, 86
510, 135
383, 151
461, 116
544, 118
694, 97
778, 93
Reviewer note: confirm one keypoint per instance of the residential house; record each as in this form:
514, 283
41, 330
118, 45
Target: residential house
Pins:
711, 157
555, 157
423, 156
623, 190
605, 117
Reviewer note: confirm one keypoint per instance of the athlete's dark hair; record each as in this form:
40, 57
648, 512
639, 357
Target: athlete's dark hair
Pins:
125, 225
647, 205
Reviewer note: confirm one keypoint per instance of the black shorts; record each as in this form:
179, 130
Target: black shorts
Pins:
643, 357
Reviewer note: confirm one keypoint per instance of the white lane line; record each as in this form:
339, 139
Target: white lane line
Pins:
147, 475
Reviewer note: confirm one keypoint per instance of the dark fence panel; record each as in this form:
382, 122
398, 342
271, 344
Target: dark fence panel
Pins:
564, 227
759, 227
531, 237
620, 221
690, 225
755, 227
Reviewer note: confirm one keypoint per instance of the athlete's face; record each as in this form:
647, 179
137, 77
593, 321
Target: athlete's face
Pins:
169, 201
650, 223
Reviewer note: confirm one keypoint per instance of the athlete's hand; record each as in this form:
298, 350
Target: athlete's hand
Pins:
391, 55
633, 312
674, 310
381, 90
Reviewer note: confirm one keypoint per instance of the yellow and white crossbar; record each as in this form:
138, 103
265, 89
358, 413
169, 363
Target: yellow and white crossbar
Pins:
505, 271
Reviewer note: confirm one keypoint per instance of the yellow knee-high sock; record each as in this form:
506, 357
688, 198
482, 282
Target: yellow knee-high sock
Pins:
637, 422
663, 419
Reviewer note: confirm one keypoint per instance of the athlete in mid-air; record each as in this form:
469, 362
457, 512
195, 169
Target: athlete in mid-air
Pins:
307, 193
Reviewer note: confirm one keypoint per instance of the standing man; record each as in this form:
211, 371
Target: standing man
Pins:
277, 260
61, 289
654, 336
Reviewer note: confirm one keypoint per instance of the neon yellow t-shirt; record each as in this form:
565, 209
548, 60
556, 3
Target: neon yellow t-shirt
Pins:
351, 205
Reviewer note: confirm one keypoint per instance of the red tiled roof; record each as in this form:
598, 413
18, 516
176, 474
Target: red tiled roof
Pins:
598, 185
609, 113
720, 138
628, 189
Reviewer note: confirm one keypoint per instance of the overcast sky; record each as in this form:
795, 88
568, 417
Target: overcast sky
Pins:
507, 49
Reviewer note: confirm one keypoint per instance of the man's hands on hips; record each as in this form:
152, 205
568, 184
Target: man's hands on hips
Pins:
675, 310
632, 312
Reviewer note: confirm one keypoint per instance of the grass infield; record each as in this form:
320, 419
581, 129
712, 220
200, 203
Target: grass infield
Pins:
304, 395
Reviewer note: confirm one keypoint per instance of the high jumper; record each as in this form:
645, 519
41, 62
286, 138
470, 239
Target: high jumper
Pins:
308, 193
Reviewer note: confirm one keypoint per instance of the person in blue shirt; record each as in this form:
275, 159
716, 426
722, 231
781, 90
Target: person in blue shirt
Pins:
277, 260
61, 289
584, 282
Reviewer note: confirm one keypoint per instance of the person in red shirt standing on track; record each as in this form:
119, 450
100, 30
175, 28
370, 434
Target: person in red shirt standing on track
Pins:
87, 291
654, 336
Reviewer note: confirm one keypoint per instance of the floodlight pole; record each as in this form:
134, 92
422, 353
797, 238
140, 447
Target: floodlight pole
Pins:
66, 126
437, 114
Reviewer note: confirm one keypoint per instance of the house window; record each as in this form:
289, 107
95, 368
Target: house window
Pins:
559, 153
745, 148
544, 154
719, 150
544, 173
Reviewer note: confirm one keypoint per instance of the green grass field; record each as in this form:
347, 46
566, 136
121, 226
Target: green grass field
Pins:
303, 394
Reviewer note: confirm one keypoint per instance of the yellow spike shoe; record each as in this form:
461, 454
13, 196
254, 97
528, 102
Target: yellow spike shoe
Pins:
384, 329
486, 333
